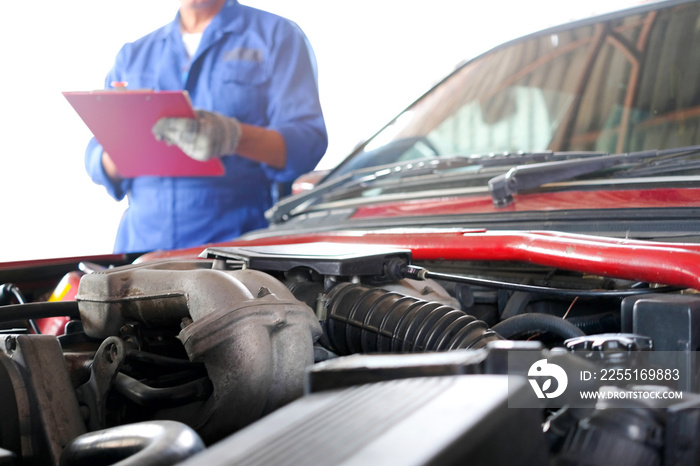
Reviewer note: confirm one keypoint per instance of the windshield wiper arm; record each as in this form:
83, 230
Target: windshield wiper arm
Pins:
292, 205
284, 209
524, 177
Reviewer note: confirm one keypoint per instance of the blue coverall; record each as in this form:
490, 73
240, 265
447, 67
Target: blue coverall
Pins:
251, 65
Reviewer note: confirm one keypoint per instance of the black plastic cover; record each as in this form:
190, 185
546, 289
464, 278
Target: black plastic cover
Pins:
673, 324
430, 420
325, 258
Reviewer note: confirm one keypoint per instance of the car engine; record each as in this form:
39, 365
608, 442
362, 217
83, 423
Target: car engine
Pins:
323, 353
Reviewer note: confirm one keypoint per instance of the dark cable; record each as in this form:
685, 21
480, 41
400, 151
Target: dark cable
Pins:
15, 291
419, 273
39, 310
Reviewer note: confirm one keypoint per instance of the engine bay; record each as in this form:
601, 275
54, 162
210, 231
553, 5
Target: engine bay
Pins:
327, 353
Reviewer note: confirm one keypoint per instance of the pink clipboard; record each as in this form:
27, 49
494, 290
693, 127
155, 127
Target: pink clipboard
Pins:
121, 121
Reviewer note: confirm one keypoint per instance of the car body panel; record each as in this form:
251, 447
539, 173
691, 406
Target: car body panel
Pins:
562, 200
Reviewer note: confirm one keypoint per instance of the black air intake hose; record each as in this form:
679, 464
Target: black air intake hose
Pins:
371, 320
522, 324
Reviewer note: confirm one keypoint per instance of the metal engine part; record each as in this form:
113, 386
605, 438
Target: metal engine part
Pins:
254, 338
40, 412
142, 444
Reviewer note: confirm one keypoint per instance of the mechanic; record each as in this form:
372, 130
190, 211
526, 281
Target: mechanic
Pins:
251, 77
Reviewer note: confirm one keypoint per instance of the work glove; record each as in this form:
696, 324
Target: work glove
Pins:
205, 137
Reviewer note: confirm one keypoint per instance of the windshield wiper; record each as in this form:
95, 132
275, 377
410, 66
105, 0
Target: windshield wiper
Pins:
365, 177
287, 207
548, 167
673, 164
524, 177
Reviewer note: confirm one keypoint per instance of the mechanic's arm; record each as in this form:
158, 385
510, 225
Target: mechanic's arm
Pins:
102, 171
262, 145
110, 167
211, 135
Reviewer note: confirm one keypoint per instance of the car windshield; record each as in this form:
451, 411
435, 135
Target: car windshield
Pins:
630, 83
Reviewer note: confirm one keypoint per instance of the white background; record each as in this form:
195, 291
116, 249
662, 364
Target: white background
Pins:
374, 58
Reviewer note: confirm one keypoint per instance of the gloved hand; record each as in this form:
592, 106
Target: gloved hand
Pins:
205, 137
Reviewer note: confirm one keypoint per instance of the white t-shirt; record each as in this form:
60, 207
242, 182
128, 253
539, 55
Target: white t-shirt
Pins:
191, 42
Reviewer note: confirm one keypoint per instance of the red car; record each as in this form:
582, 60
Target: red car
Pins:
506, 273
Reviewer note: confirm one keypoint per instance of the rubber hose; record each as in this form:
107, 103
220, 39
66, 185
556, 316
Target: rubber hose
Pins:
528, 323
516, 304
38, 310
158, 359
372, 320
151, 397
607, 322
153, 443
9, 291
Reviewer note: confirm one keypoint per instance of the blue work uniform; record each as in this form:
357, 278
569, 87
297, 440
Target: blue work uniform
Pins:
251, 65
